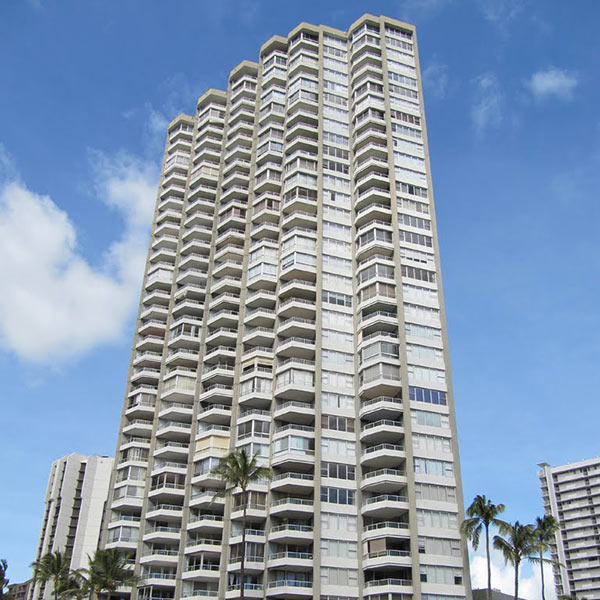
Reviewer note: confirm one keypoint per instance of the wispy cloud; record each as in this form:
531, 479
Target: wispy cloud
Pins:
552, 82
435, 79
56, 305
417, 10
487, 110
501, 13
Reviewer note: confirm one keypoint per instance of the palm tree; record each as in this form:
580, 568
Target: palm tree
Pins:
3, 578
545, 528
518, 544
55, 567
238, 470
107, 570
482, 514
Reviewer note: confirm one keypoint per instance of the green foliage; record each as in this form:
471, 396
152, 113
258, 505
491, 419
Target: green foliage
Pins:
107, 570
55, 568
3, 578
238, 470
518, 544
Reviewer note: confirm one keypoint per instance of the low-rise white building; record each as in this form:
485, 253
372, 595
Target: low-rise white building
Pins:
571, 494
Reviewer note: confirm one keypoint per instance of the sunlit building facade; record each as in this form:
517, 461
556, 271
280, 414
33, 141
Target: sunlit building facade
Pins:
571, 494
292, 307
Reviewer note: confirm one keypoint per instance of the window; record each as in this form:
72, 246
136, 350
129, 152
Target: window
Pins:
429, 419
424, 353
444, 575
337, 423
422, 331
337, 470
333, 576
376, 270
440, 546
418, 274
438, 468
437, 519
338, 522
426, 374
338, 447
333, 400
336, 337
422, 312
340, 358
375, 234
380, 349
335, 281
380, 371
335, 379
335, 138
415, 190
336, 298
337, 495
339, 320
338, 548
439, 493
415, 238
293, 443
419, 394
337, 229
414, 221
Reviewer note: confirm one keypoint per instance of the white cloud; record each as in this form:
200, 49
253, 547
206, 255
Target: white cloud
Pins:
501, 13
435, 79
487, 109
55, 305
552, 82
503, 577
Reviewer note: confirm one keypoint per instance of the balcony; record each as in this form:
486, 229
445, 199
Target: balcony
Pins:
382, 430
294, 411
290, 589
292, 508
293, 483
201, 572
387, 559
162, 534
218, 394
388, 586
206, 524
388, 529
383, 481
383, 455
298, 347
297, 327
290, 533
297, 561
384, 506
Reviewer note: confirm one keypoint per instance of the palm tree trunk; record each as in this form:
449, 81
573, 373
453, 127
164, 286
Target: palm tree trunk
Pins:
489, 566
516, 581
243, 556
542, 574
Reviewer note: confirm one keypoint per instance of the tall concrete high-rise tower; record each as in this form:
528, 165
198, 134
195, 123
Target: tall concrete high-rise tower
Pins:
292, 307
571, 494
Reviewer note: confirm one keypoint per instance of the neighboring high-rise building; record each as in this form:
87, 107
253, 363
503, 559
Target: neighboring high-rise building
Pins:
18, 591
571, 494
292, 307
75, 501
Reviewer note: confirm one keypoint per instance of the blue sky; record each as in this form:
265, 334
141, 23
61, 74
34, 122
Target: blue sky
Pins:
512, 92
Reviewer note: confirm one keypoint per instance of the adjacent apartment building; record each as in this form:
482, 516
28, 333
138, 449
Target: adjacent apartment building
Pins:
74, 505
571, 494
292, 307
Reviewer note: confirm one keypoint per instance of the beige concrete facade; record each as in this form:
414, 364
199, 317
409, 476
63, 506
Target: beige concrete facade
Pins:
571, 494
292, 306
